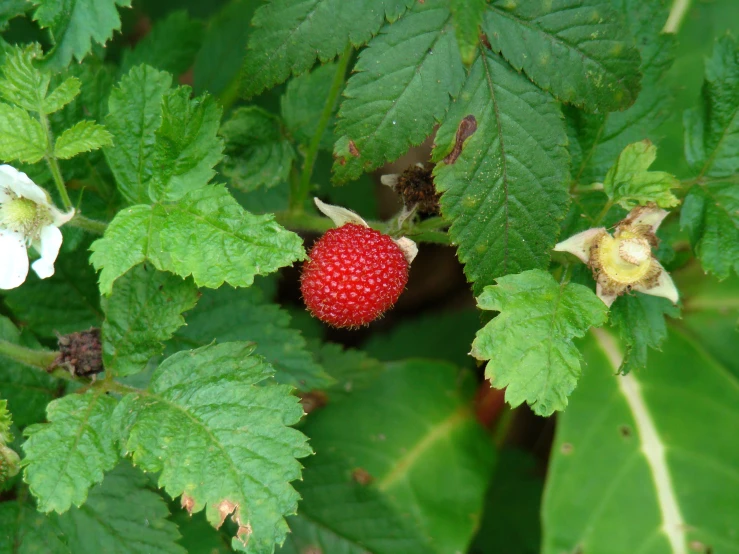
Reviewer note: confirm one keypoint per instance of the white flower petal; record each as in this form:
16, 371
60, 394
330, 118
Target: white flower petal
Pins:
340, 216
646, 215
21, 185
607, 299
51, 242
580, 244
13, 259
664, 287
390, 180
60, 218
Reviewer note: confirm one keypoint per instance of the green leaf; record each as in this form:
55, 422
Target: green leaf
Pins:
186, 147
10, 9
288, 37
121, 516
27, 391
710, 214
66, 302
438, 336
629, 182
414, 426
228, 314
62, 95
257, 152
510, 522
21, 137
712, 129
22, 83
352, 370
64, 457
338, 514
206, 235
9, 459
170, 46
303, 103
143, 311
135, 115
597, 139
23, 530
218, 63
74, 24
640, 321
468, 16
529, 344
503, 169
580, 51
85, 136
401, 87
651, 467
220, 440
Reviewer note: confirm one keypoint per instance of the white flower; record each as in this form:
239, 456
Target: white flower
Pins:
624, 262
27, 217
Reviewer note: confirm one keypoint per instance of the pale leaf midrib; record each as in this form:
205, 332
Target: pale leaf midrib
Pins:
441, 430
651, 446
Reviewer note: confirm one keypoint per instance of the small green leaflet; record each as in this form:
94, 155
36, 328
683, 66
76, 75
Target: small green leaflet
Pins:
412, 426
652, 468
332, 504
629, 182
66, 456
228, 314
186, 147
599, 138
122, 515
22, 83
640, 321
206, 234
303, 103
62, 95
529, 344
143, 311
712, 129
503, 168
83, 137
74, 24
215, 427
401, 87
135, 108
288, 36
577, 49
257, 152
9, 459
21, 137
710, 214
468, 16
170, 46
352, 370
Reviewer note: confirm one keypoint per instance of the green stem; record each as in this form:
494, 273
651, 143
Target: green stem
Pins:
297, 200
603, 213
92, 225
677, 13
53, 164
41, 359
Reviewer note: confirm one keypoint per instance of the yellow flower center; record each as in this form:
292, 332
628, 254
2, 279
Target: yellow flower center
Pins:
625, 259
22, 215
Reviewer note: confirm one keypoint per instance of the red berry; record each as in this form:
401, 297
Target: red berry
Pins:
353, 276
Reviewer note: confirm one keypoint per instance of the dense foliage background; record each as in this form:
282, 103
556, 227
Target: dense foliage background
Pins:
191, 138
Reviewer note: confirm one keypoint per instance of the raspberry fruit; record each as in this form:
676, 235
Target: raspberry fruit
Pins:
353, 275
